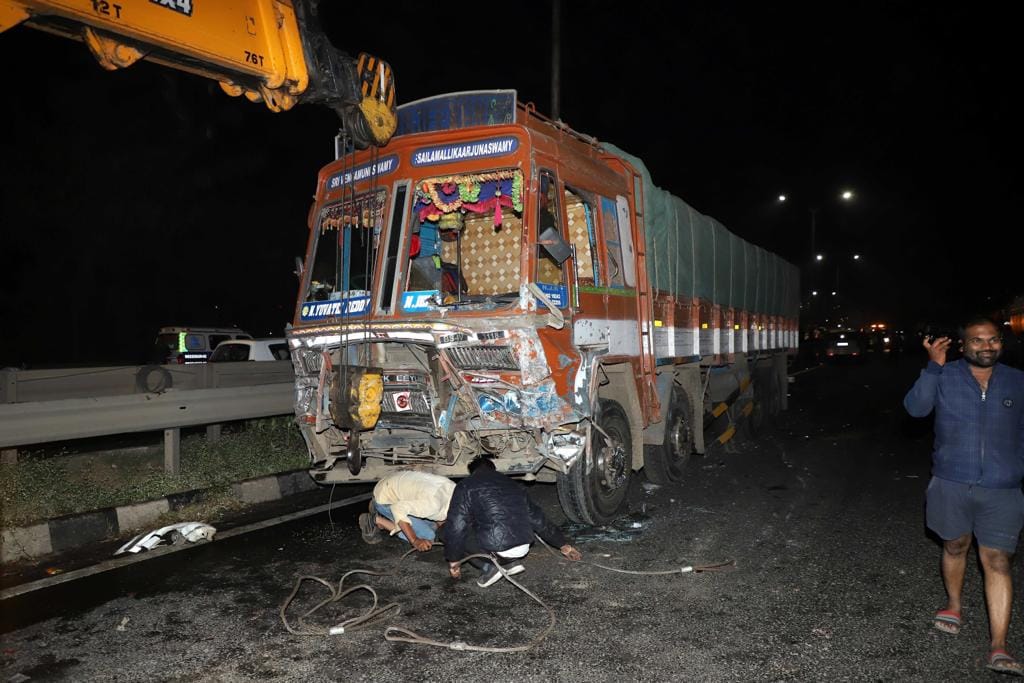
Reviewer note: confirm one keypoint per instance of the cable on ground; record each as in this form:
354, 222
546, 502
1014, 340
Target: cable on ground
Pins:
685, 569
403, 635
396, 633
337, 594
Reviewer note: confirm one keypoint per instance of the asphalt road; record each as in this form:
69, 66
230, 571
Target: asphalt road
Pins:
835, 579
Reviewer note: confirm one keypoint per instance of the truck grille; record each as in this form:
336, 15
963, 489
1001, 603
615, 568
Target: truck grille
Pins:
482, 358
405, 402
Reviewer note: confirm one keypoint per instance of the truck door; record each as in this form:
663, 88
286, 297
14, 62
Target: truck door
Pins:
551, 273
590, 303
600, 230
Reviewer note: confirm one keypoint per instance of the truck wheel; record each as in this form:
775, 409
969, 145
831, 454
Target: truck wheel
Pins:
153, 379
595, 490
664, 463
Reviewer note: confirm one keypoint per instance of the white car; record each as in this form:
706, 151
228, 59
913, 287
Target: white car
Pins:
236, 350
188, 345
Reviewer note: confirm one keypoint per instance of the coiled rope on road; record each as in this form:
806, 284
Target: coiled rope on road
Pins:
347, 625
404, 635
395, 633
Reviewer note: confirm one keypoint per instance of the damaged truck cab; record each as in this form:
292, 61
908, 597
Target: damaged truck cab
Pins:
493, 282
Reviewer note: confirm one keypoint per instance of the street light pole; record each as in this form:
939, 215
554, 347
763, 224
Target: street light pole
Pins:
815, 278
814, 229
556, 59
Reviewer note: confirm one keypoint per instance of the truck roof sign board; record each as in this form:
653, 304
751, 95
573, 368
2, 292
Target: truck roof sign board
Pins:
363, 172
457, 110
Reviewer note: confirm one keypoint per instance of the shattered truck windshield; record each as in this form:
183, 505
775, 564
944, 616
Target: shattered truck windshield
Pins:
344, 251
466, 237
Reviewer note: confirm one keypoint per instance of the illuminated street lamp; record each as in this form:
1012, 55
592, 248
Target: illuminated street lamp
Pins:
847, 196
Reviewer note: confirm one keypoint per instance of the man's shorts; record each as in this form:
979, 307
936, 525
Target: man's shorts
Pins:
423, 528
994, 516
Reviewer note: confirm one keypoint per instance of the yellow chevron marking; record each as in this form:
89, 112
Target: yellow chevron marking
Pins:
727, 434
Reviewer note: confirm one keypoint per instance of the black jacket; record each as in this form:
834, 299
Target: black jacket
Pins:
499, 511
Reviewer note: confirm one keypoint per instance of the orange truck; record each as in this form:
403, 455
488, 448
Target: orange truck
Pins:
493, 282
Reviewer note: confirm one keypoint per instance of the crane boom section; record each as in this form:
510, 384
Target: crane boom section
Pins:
267, 50
232, 41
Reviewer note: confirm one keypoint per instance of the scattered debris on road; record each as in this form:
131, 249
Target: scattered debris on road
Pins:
173, 534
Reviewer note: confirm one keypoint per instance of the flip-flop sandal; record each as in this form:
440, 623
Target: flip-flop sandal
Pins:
1001, 661
947, 621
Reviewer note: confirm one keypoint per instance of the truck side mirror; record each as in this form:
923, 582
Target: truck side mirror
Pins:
553, 243
298, 267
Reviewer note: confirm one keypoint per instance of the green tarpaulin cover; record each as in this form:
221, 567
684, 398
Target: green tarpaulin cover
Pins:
693, 255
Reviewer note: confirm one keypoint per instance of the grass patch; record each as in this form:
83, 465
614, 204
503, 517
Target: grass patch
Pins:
218, 504
41, 486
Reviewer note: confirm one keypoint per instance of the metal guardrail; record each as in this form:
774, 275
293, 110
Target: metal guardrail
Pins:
24, 386
43, 406
39, 422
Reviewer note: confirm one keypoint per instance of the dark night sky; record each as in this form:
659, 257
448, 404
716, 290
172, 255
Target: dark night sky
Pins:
147, 197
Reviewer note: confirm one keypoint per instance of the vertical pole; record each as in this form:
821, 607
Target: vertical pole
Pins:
556, 58
172, 451
9, 388
458, 263
209, 376
814, 269
814, 229
8, 456
213, 433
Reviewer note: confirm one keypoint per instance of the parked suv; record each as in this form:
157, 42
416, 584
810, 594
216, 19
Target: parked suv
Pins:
236, 350
186, 345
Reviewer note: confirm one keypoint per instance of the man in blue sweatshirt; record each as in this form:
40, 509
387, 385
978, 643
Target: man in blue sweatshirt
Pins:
977, 469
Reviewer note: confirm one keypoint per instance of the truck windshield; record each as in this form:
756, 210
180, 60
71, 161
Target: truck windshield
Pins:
467, 236
344, 251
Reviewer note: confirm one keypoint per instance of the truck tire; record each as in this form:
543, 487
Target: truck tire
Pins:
153, 379
665, 463
594, 491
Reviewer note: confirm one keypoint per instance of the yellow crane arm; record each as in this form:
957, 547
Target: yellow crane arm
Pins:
267, 50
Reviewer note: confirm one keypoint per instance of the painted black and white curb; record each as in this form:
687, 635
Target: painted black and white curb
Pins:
62, 534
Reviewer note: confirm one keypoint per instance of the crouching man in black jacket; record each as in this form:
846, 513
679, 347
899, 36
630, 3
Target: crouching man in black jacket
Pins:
493, 514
